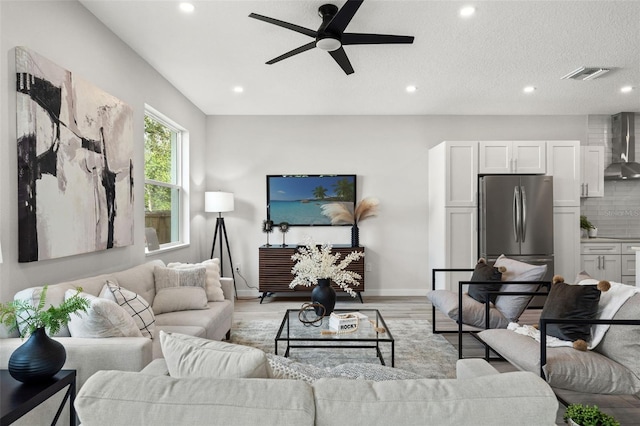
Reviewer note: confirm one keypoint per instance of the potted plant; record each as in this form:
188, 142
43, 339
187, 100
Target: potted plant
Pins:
588, 227
318, 266
585, 415
40, 357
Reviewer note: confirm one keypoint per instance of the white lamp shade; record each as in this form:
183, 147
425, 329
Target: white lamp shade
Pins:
218, 202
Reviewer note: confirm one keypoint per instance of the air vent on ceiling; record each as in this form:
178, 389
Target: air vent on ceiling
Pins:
584, 73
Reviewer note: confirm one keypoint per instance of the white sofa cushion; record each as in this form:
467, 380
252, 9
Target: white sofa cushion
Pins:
212, 277
104, 318
191, 357
134, 304
124, 398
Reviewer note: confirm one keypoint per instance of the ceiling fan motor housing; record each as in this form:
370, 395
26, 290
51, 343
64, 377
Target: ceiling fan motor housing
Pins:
324, 40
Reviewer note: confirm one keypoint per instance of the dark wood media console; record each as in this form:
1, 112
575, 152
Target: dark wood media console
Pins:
275, 265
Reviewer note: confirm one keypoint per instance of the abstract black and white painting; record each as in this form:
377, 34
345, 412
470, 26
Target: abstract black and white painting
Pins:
75, 163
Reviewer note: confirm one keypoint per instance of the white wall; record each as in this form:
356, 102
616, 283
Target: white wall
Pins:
389, 155
66, 33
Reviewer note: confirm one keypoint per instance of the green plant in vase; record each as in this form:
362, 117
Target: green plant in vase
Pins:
588, 227
40, 357
585, 224
21, 314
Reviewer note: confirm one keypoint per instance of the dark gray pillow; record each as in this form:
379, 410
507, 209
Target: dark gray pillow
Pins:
485, 272
566, 301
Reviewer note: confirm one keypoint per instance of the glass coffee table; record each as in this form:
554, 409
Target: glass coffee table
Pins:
371, 332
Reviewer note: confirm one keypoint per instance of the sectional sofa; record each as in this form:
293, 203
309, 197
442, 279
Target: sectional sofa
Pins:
244, 393
88, 355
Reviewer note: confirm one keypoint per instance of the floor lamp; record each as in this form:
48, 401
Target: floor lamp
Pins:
220, 202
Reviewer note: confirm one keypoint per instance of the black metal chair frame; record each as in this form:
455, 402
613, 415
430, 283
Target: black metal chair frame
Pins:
543, 339
473, 333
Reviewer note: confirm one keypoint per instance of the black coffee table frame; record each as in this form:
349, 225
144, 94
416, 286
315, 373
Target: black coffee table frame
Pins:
293, 332
17, 399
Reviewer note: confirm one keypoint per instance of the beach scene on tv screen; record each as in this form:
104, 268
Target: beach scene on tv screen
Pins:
298, 200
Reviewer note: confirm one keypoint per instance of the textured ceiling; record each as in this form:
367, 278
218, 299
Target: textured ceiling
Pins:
477, 65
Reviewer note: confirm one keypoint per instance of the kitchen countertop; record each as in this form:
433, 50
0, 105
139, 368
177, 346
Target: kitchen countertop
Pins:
610, 240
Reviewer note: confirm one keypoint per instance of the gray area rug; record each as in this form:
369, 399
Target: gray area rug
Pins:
416, 349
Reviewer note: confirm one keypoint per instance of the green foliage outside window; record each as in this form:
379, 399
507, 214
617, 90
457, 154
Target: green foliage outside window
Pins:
158, 160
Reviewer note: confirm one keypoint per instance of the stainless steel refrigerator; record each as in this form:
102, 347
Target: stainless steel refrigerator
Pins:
515, 214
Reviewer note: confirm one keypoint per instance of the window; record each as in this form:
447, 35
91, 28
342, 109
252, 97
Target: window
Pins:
163, 189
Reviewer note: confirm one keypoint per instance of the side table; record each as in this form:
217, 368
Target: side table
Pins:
17, 398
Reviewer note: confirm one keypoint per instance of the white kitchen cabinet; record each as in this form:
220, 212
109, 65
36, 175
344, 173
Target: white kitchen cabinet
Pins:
628, 262
507, 157
454, 166
453, 181
563, 163
602, 266
592, 175
566, 241
602, 260
613, 261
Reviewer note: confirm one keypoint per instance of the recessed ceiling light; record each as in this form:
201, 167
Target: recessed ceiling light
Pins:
626, 89
467, 11
529, 89
411, 89
238, 89
187, 7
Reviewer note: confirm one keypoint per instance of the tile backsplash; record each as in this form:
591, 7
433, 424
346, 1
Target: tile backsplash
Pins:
617, 214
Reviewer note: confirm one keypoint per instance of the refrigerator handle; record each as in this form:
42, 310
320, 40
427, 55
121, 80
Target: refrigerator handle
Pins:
523, 222
516, 212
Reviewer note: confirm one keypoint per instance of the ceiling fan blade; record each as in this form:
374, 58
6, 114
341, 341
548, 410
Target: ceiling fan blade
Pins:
344, 16
289, 54
287, 25
355, 38
340, 57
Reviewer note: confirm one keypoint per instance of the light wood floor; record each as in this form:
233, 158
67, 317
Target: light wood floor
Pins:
626, 409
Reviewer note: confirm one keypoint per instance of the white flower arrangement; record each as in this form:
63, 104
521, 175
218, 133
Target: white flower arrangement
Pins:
314, 263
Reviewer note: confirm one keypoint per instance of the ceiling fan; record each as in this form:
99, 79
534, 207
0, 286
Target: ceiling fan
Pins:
331, 36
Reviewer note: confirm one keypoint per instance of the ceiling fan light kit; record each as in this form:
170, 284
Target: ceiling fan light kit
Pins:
330, 36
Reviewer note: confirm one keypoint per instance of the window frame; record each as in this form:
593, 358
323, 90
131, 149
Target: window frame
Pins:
179, 163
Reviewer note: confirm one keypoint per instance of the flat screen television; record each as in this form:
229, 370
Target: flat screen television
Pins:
298, 199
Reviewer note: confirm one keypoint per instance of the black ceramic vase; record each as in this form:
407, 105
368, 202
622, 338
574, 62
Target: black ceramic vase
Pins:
355, 236
39, 358
325, 295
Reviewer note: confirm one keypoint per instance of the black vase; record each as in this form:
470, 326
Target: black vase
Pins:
325, 295
355, 236
38, 359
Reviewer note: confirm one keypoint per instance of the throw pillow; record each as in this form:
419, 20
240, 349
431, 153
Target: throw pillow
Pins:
193, 276
566, 301
134, 304
513, 306
174, 299
485, 272
179, 289
104, 318
192, 357
212, 277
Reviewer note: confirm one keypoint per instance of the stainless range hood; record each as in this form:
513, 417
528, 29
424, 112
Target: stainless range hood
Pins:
623, 144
